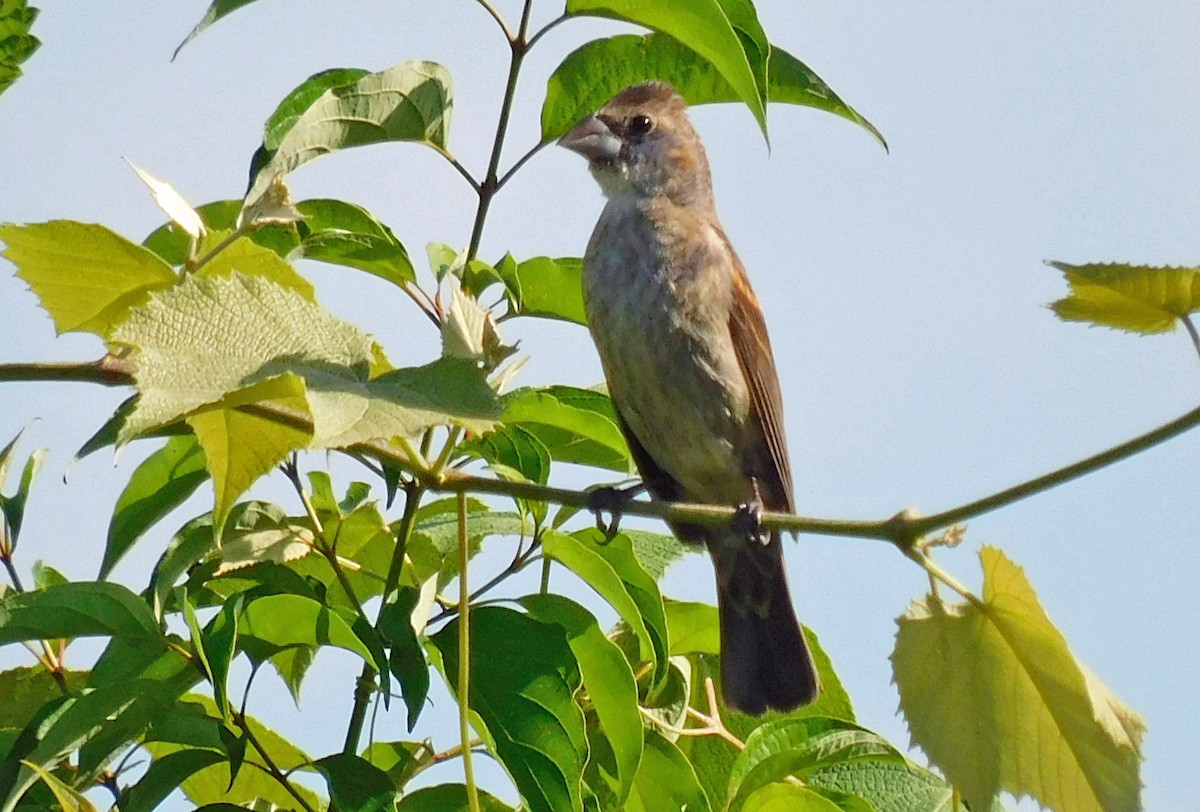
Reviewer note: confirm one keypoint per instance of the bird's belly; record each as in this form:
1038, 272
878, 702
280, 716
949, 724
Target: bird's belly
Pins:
673, 374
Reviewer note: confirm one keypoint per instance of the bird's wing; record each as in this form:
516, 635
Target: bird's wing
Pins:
753, 349
660, 484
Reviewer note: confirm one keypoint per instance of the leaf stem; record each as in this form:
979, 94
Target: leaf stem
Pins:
270, 764
496, 16
518, 47
1191, 329
520, 162
545, 29
464, 656
462, 170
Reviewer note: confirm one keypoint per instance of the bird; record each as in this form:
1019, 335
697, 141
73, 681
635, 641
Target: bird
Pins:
684, 348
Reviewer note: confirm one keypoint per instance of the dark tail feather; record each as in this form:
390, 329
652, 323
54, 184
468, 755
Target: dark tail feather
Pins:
765, 662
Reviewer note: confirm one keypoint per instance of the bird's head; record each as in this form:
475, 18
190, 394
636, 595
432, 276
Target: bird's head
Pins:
641, 144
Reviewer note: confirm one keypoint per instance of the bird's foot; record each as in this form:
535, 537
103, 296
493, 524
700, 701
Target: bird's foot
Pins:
611, 500
748, 522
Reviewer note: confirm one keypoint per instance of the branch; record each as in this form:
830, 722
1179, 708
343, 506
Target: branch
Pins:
464, 656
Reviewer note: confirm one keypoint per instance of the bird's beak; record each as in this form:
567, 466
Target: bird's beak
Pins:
592, 139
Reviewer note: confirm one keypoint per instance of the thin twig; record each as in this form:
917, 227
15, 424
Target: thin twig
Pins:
270, 765
462, 170
545, 29
520, 162
496, 16
464, 656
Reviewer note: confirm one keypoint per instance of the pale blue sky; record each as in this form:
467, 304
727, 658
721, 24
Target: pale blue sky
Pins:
904, 292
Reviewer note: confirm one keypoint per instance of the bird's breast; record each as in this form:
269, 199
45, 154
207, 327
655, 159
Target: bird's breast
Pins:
658, 301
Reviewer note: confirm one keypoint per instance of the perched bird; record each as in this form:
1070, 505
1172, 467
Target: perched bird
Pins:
684, 348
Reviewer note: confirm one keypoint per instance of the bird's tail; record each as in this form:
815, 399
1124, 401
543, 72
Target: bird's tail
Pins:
765, 662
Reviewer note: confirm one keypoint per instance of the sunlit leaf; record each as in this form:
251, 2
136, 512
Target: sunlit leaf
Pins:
355, 785
171, 202
164, 776
78, 609
448, 798
996, 699
665, 781
87, 277
216, 11
545, 287
1137, 298
597, 70
725, 33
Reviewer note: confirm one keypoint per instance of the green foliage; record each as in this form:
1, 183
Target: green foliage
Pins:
16, 43
236, 363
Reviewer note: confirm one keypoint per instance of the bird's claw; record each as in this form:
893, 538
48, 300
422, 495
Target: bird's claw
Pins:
748, 522
610, 500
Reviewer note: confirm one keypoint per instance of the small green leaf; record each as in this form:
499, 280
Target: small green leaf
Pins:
301, 98
281, 544
160, 484
69, 798
283, 621
892, 787
248, 258
513, 447
694, 628
219, 643
1137, 298
448, 798
790, 798
724, 33
997, 700
800, 747
346, 234
607, 678
79, 609
408, 102
12, 508
656, 552
87, 277
574, 425
216, 11
666, 781
545, 287
355, 785
400, 760
523, 679
407, 659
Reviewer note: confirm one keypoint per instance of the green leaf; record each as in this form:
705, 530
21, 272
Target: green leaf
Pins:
12, 508
219, 644
611, 569
79, 609
160, 484
996, 699
301, 98
87, 277
69, 798
1137, 298
164, 776
283, 621
724, 33
789, 798
892, 787
27, 689
355, 785
407, 659
574, 425
280, 544
216, 11
345, 234
248, 258
523, 679
665, 781
434, 544
189, 544
207, 338
448, 798
241, 446
656, 552
545, 287
16, 43
694, 628
400, 760
598, 70
408, 102
515, 448
801, 747
606, 677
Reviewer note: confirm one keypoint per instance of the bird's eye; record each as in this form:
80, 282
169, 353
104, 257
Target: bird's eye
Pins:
640, 125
